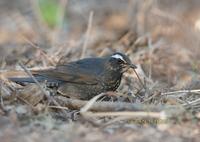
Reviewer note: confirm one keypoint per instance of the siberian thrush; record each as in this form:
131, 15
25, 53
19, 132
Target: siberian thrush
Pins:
84, 78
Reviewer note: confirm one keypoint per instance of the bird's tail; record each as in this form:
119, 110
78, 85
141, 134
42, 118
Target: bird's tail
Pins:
22, 80
21, 77
26, 79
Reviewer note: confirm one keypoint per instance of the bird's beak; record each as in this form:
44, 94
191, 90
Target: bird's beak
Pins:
128, 66
133, 66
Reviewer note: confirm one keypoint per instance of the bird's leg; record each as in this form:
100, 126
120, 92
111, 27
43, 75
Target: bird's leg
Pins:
52, 84
112, 95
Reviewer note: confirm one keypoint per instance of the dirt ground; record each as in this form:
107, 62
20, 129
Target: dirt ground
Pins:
161, 37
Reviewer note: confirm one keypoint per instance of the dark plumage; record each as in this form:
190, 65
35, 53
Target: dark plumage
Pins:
84, 78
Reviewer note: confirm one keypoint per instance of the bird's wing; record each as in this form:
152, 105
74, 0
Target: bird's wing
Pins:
73, 73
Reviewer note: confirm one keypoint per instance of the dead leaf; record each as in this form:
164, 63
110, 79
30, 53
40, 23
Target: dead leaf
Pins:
31, 94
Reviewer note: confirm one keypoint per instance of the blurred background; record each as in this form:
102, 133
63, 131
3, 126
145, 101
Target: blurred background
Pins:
162, 37
73, 29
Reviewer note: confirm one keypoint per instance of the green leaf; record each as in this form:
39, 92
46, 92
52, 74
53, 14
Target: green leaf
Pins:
50, 11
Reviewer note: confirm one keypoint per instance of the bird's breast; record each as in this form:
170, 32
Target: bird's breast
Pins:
112, 81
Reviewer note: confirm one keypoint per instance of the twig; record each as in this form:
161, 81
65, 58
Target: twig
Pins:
59, 107
138, 119
192, 102
139, 79
142, 114
125, 115
185, 91
108, 106
87, 34
90, 103
181, 91
1, 92
151, 97
150, 56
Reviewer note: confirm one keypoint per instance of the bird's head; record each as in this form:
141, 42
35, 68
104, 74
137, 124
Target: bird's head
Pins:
120, 62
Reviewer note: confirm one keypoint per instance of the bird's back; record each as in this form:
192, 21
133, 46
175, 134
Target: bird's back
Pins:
82, 71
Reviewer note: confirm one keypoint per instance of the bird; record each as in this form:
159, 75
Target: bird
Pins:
85, 78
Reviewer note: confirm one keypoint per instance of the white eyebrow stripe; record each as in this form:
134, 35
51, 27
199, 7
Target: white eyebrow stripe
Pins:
117, 56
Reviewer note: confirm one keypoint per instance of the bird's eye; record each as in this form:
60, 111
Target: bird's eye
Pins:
120, 61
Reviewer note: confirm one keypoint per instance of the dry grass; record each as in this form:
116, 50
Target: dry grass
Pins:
163, 40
